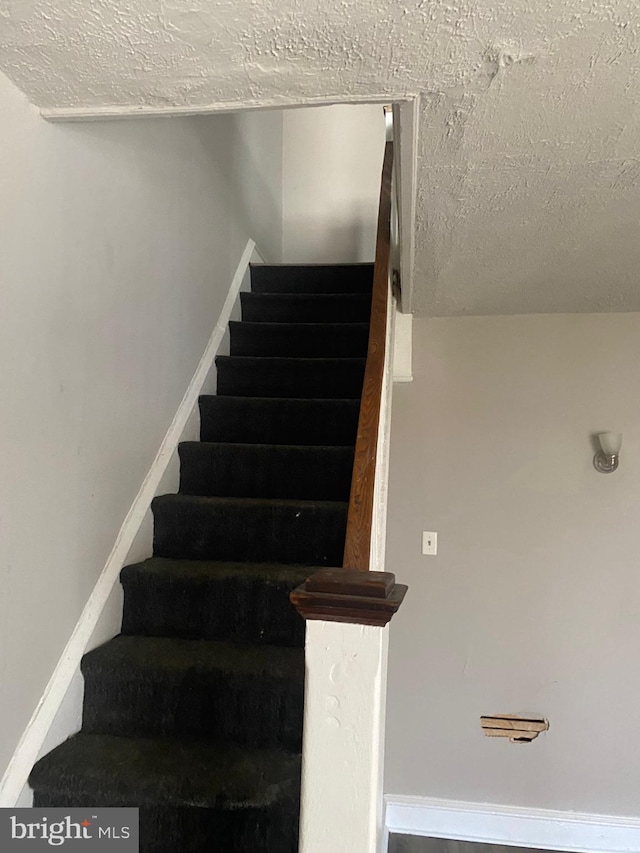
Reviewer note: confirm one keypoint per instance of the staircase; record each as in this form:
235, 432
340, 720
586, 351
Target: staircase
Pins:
194, 712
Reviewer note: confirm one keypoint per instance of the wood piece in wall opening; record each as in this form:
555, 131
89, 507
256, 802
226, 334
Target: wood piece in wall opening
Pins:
516, 729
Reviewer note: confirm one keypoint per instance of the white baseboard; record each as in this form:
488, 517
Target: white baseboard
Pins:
541, 829
33, 738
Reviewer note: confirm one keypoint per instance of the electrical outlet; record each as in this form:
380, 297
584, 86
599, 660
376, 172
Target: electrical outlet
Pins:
429, 543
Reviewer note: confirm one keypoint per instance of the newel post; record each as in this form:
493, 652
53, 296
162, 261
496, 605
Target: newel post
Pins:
345, 695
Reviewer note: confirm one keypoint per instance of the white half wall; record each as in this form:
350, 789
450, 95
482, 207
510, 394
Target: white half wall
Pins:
118, 244
331, 182
342, 765
532, 604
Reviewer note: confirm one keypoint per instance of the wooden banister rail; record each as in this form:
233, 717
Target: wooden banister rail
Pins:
346, 594
359, 520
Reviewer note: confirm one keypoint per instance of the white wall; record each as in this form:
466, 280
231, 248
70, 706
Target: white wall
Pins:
533, 602
257, 149
117, 246
331, 182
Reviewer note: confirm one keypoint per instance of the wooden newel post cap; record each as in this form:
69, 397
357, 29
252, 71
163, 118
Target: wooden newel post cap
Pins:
344, 595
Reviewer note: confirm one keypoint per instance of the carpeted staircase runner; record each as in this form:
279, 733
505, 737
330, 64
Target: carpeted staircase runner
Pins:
194, 712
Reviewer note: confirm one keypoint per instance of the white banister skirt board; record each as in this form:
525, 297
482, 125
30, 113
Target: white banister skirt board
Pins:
539, 829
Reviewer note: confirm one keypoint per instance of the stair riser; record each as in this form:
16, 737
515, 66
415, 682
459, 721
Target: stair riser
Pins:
168, 829
260, 421
356, 278
265, 472
254, 377
276, 308
235, 609
309, 535
264, 712
303, 340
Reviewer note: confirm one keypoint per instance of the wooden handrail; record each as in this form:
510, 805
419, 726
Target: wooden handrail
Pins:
359, 520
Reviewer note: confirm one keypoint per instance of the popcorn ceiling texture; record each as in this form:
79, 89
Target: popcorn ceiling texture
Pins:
528, 183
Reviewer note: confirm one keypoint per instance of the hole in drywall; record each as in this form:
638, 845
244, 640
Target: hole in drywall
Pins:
515, 728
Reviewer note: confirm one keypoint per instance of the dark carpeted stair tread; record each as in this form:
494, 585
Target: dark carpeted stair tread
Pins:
167, 771
214, 570
251, 694
275, 420
311, 278
313, 340
162, 655
313, 472
306, 307
248, 502
290, 377
197, 599
287, 531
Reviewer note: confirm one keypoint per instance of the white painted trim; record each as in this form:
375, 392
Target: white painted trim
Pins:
384, 841
146, 110
33, 738
381, 485
402, 349
406, 125
541, 829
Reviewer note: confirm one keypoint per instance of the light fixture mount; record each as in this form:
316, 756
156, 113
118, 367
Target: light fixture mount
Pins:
606, 459
605, 464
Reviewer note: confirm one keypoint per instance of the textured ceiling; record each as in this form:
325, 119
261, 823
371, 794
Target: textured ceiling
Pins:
528, 196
